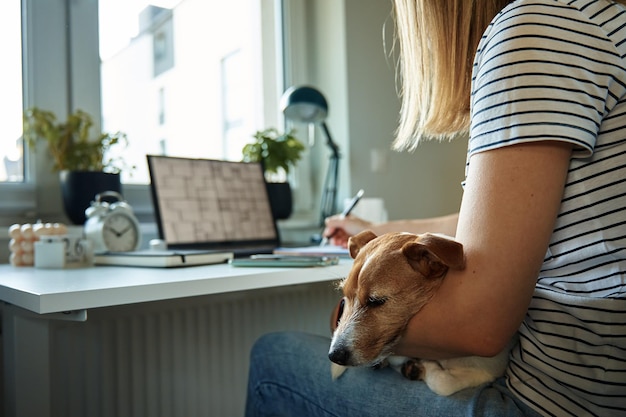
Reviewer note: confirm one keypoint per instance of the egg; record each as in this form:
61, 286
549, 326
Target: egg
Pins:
27, 246
15, 231
27, 231
15, 246
15, 260
60, 229
28, 258
38, 228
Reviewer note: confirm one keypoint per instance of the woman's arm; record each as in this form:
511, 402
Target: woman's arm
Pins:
511, 200
443, 224
342, 228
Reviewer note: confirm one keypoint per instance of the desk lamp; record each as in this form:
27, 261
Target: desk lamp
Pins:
307, 105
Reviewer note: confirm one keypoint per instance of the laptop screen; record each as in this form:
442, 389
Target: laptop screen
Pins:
203, 203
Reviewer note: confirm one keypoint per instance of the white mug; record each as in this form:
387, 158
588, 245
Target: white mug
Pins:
49, 252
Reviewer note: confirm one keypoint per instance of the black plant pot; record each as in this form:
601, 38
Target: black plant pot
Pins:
80, 187
280, 199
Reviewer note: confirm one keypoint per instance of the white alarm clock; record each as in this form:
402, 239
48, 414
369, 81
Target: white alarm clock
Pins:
112, 227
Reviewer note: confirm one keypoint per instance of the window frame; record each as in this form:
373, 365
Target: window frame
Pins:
58, 42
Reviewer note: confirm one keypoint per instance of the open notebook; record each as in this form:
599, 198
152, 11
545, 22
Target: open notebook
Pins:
212, 204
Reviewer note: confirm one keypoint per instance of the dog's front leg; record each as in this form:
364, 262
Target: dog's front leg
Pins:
448, 381
410, 368
413, 370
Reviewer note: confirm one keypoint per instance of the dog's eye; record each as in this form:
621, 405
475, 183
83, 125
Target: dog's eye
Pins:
375, 301
342, 305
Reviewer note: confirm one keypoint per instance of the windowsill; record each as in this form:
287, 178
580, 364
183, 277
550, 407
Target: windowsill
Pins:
298, 230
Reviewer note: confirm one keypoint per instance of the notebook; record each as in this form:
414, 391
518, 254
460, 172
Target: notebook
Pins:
163, 259
212, 204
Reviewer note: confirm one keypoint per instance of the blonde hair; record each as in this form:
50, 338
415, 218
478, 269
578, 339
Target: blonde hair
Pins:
438, 41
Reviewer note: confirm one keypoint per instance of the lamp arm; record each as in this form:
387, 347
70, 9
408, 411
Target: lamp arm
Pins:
329, 193
331, 183
330, 142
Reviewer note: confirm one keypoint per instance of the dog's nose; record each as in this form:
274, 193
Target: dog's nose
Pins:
340, 356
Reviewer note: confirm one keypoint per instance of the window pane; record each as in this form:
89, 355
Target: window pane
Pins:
11, 149
181, 77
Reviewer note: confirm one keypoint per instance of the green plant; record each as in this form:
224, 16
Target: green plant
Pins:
276, 150
69, 143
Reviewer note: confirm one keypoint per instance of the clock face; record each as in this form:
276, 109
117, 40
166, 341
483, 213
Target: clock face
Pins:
120, 233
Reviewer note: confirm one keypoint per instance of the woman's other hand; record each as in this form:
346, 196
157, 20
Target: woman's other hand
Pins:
339, 228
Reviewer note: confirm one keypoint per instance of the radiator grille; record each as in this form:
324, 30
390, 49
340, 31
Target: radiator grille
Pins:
178, 358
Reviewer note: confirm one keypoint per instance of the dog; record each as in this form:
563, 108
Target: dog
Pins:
394, 275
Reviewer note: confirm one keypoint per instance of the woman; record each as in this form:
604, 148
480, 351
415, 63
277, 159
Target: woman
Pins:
541, 219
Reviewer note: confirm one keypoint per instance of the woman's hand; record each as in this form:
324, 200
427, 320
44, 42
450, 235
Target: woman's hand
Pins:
339, 228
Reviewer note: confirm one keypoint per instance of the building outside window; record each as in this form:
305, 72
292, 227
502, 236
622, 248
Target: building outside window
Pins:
167, 79
185, 77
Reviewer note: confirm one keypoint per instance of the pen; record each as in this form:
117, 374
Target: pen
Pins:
345, 213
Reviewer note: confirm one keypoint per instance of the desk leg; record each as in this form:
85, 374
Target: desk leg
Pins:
26, 364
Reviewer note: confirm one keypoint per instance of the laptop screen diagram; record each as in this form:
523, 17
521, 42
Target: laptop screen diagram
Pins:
212, 204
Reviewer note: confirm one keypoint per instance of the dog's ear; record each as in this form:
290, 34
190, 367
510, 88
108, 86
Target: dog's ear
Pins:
356, 242
432, 255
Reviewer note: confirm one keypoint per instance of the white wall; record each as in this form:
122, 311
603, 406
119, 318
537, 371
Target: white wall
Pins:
351, 66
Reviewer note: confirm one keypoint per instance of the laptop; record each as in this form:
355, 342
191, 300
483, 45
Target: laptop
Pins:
206, 204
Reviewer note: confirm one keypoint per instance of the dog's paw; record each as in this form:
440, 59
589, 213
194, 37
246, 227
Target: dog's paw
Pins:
380, 365
336, 370
413, 369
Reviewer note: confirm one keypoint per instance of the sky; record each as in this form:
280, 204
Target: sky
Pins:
119, 22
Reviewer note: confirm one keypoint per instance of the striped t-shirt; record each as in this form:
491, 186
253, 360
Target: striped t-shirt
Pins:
556, 70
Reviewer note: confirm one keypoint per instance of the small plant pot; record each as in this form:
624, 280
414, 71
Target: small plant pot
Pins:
79, 189
280, 199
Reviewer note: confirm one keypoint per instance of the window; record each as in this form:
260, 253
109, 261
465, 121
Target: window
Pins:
160, 77
11, 146
234, 91
184, 77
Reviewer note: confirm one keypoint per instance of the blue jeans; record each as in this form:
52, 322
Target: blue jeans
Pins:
290, 376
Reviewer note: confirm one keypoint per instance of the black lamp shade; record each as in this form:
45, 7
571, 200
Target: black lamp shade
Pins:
304, 104
307, 105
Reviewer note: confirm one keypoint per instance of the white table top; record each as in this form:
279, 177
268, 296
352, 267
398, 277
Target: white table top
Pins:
57, 290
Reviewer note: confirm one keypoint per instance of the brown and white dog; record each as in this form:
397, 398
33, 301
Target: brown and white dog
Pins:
394, 275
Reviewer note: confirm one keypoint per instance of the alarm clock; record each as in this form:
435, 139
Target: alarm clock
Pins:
112, 227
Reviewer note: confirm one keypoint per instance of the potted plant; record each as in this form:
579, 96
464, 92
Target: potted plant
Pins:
84, 166
278, 152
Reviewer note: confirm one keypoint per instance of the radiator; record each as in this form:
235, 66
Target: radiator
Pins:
180, 358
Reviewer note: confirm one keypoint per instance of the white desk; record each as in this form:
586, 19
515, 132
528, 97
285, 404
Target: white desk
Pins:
59, 290
32, 297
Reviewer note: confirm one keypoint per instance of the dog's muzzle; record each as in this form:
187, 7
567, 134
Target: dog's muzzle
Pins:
340, 355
